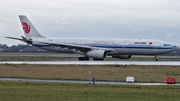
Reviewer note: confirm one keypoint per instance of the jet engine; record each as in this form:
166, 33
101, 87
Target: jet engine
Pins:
96, 54
122, 56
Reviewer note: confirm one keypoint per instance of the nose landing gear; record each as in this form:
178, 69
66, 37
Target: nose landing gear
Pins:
156, 58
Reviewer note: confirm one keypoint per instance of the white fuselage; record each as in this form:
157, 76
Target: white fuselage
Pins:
94, 48
120, 46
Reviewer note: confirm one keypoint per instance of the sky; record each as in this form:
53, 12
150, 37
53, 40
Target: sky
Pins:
134, 19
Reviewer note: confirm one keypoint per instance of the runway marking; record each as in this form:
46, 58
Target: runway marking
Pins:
162, 63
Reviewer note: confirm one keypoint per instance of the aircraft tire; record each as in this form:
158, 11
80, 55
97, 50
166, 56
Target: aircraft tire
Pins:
83, 58
98, 59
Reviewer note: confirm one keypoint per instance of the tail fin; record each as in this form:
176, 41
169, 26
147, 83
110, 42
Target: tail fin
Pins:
29, 30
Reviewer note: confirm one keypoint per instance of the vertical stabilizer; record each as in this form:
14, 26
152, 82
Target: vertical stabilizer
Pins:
29, 30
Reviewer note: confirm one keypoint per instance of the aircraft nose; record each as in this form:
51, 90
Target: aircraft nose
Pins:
175, 47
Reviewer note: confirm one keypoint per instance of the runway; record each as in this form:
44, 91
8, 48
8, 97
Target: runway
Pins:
82, 82
162, 63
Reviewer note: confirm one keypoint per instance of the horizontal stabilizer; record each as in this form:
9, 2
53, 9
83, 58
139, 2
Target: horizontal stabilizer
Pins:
23, 39
14, 38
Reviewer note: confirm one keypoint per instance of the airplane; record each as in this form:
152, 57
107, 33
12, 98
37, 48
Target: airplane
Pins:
96, 48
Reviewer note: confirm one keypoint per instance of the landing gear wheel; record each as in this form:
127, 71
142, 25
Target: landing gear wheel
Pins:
156, 58
98, 59
80, 58
83, 58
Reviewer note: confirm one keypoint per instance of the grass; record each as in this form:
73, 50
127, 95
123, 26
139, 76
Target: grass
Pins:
20, 91
100, 73
24, 91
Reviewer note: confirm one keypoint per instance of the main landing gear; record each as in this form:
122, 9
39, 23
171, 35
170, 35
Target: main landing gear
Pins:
98, 59
83, 58
87, 58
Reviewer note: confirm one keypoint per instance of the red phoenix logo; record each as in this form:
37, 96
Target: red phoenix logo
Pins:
26, 27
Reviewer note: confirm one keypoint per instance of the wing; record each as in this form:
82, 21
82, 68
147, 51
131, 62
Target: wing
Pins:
78, 47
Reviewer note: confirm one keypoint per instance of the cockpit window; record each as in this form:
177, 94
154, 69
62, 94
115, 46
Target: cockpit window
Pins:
167, 45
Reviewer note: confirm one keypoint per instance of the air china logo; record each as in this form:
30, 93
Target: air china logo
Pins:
26, 27
150, 42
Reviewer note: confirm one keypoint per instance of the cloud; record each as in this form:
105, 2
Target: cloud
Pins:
66, 22
62, 20
55, 21
169, 35
169, 25
135, 32
91, 18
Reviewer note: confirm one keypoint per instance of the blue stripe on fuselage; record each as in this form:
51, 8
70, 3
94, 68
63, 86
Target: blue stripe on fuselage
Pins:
139, 47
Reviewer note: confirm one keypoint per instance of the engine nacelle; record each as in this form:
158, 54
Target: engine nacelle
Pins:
96, 54
122, 56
